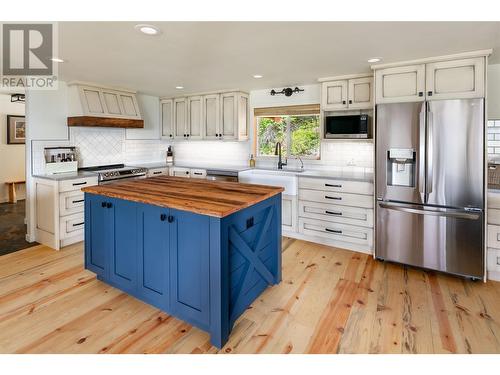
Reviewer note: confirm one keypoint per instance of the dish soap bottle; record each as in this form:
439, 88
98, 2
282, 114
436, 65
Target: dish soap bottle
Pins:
170, 156
252, 161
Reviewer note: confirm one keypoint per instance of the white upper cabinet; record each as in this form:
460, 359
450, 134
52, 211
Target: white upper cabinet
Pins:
90, 100
167, 118
195, 116
218, 116
400, 84
229, 110
360, 92
180, 118
334, 95
456, 79
446, 77
211, 114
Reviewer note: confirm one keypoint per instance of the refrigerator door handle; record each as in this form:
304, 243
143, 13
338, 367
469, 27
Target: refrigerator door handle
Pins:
430, 150
421, 153
447, 212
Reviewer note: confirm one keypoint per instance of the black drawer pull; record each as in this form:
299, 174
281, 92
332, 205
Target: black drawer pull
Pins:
335, 198
333, 213
80, 183
157, 172
103, 204
333, 231
170, 219
333, 185
163, 217
109, 205
77, 224
198, 173
79, 201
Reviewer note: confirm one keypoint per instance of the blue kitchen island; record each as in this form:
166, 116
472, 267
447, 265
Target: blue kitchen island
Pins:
199, 250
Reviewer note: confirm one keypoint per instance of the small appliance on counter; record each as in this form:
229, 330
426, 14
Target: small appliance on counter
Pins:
348, 127
60, 160
170, 156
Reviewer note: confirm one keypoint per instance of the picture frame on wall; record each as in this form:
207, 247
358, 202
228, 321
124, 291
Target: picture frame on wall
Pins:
16, 130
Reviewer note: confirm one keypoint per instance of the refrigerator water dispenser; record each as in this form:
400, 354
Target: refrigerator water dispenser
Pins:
401, 167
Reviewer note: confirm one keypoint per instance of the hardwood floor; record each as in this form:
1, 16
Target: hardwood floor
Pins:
330, 301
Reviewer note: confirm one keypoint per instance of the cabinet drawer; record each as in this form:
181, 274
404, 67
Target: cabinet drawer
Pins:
336, 214
179, 172
71, 226
493, 216
157, 172
336, 231
494, 236
343, 199
340, 186
493, 200
198, 173
493, 260
71, 202
69, 185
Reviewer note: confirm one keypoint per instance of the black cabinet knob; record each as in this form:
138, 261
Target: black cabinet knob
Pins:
171, 135
429, 93
188, 135
170, 219
103, 204
187, 172
109, 205
163, 217
343, 101
350, 101
420, 93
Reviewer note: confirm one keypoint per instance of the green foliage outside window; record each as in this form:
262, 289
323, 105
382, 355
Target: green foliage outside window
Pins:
302, 134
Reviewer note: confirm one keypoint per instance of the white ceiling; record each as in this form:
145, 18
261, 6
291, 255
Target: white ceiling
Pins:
207, 56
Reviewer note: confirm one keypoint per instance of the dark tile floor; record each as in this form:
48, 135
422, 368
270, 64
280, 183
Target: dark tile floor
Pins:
12, 228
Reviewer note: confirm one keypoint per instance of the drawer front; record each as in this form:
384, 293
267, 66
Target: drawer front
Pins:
336, 213
71, 226
179, 172
339, 186
157, 172
71, 202
493, 200
493, 216
198, 173
336, 231
494, 236
343, 199
77, 184
493, 260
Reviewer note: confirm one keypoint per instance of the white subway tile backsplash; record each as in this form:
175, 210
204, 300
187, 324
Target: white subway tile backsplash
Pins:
493, 139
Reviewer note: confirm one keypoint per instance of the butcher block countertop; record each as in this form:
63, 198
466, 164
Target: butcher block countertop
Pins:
212, 198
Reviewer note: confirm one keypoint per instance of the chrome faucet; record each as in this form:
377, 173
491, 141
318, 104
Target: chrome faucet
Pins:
277, 151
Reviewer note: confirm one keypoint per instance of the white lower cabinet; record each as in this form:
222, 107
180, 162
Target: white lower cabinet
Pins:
331, 212
187, 172
159, 171
493, 237
59, 210
289, 212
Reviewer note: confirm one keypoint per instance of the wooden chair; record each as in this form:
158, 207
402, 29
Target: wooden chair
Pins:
12, 190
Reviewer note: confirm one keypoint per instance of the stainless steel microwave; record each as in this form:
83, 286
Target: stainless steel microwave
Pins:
345, 127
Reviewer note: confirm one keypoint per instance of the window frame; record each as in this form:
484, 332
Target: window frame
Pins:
288, 137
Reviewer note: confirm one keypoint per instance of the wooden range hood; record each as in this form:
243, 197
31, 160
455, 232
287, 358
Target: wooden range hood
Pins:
108, 122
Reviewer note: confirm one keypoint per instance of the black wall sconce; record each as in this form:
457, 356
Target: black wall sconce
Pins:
287, 91
17, 98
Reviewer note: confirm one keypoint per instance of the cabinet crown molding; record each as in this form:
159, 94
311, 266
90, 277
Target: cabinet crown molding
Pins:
202, 94
97, 85
346, 76
456, 56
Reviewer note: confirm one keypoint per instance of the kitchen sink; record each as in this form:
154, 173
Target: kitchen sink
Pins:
286, 178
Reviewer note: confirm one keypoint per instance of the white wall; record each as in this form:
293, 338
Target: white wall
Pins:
494, 92
12, 157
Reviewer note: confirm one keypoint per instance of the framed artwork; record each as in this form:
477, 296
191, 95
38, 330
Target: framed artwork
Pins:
16, 130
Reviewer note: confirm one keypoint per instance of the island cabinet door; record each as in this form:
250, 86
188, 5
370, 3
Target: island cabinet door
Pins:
123, 255
189, 267
153, 255
99, 234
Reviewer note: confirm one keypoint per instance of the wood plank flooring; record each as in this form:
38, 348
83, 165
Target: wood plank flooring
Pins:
330, 301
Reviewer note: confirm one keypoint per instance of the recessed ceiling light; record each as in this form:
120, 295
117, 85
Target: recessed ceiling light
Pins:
148, 29
179, 87
374, 59
57, 59
257, 76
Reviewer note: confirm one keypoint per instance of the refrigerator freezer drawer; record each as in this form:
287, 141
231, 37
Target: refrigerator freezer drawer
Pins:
443, 240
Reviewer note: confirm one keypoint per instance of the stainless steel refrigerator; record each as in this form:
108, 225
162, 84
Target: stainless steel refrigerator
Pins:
430, 185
